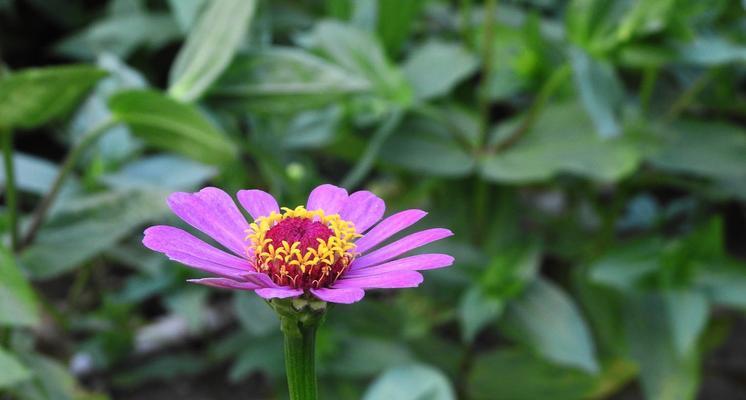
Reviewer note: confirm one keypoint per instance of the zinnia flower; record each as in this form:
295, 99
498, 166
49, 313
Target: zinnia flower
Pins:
331, 248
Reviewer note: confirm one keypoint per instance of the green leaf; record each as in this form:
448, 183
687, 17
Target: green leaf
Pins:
436, 67
664, 373
210, 47
87, 228
688, 312
417, 142
283, 80
255, 315
360, 53
120, 34
725, 285
361, 356
13, 372
51, 380
395, 20
162, 171
18, 304
32, 97
411, 382
189, 303
171, 125
625, 267
709, 149
562, 140
517, 375
163, 368
476, 311
186, 12
33, 174
712, 50
546, 318
600, 90
262, 354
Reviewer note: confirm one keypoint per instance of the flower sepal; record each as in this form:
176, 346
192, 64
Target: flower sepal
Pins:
299, 312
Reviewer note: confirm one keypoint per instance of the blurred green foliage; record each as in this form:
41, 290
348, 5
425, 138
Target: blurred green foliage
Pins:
590, 156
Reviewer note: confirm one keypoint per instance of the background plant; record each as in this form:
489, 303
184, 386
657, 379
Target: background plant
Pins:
588, 154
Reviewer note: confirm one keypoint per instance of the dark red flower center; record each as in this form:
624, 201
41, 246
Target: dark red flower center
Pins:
302, 253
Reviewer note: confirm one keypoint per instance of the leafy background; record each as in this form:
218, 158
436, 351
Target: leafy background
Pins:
590, 156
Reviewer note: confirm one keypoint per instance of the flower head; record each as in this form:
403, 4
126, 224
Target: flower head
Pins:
331, 248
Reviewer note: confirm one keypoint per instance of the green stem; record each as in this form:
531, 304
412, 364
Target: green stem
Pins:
488, 51
555, 81
10, 186
88, 139
300, 358
365, 163
688, 96
650, 75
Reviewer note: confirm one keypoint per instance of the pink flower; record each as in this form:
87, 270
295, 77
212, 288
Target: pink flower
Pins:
331, 248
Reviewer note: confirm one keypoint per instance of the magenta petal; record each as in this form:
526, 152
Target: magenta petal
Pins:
213, 212
363, 209
400, 246
397, 279
387, 228
342, 296
257, 203
327, 197
278, 293
226, 283
412, 263
181, 246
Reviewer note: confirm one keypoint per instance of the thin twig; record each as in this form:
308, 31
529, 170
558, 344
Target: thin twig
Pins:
365, 163
688, 96
10, 186
488, 50
559, 76
40, 213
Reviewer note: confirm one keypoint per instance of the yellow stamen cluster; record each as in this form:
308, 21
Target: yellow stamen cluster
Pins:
283, 260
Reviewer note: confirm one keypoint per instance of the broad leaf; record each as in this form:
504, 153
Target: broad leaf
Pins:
665, 374
600, 90
395, 19
87, 228
417, 142
120, 34
517, 375
210, 47
709, 149
476, 311
32, 97
255, 315
411, 382
171, 125
12, 372
163, 171
562, 140
359, 52
547, 320
18, 304
435, 68
284, 80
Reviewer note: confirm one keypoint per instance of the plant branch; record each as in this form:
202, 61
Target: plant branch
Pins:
11, 199
688, 96
72, 158
551, 85
488, 51
365, 163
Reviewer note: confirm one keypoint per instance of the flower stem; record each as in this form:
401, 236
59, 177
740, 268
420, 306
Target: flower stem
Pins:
88, 138
10, 186
300, 358
366, 161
